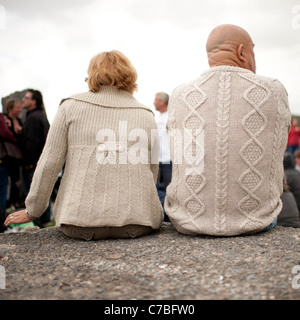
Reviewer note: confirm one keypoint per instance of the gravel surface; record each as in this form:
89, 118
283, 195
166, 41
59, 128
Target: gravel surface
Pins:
45, 264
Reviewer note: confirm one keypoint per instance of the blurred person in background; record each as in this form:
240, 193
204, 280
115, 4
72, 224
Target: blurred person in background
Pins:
5, 136
293, 137
292, 176
297, 159
289, 215
16, 197
165, 165
14, 110
33, 139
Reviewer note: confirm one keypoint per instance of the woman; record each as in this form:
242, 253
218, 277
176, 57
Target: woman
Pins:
5, 135
104, 137
14, 110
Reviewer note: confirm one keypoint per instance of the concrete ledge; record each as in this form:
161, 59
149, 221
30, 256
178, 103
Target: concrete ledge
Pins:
45, 264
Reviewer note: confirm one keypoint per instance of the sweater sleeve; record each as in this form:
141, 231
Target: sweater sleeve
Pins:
49, 165
283, 97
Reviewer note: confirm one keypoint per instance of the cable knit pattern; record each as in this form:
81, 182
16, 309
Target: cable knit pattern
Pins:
193, 99
222, 129
245, 118
252, 152
93, 191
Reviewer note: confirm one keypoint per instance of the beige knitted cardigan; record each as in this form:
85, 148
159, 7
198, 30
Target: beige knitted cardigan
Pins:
94, 192
243, 121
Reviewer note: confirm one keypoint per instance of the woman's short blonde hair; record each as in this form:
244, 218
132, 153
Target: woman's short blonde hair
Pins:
113, 69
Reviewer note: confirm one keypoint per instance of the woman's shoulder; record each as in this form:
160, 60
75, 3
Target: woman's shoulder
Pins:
106, 97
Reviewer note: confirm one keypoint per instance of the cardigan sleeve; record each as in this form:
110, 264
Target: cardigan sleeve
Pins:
49, 165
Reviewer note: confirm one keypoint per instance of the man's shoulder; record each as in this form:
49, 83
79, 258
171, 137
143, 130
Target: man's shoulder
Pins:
268, 82
37, 116
192, 85
258, 77
36, 113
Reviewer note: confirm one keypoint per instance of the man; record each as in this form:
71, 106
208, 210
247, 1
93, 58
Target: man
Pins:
33, 139
165, 166
237, 123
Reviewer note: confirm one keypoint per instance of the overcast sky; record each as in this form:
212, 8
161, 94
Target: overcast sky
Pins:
47, 45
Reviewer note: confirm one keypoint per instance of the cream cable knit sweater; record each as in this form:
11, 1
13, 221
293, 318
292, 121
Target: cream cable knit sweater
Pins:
244, 121
94, 191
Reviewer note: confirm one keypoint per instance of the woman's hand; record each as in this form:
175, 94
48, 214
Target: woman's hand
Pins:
17, 217
18, 128
7, 121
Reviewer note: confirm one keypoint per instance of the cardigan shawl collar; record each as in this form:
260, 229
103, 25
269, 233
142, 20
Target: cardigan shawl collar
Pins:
109, 97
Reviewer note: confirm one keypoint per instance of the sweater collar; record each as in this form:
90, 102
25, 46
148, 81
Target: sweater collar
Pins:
109, 97
228, 69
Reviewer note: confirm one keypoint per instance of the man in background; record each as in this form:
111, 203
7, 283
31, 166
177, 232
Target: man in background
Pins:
33, 139
165, 165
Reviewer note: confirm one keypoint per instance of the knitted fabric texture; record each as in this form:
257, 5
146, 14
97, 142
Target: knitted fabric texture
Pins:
243, 120
95, 192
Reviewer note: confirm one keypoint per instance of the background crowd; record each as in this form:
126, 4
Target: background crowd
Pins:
289, 215
21, 145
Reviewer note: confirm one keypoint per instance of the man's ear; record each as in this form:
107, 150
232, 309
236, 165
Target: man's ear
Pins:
241, 53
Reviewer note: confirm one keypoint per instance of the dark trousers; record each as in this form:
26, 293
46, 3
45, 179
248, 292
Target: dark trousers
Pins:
3, 194
16, 197
164, 179
292, 149
165, 173
2, 219
4, 172
27, 178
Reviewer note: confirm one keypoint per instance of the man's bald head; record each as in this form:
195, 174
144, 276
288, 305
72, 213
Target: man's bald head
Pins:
230, 45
